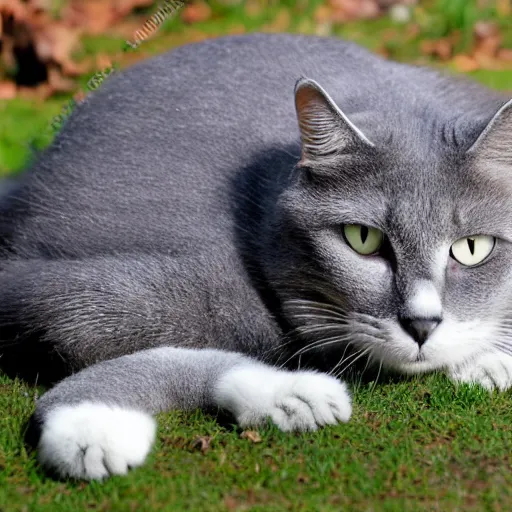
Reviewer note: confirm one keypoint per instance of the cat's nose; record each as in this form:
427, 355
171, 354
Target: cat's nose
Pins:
420, 328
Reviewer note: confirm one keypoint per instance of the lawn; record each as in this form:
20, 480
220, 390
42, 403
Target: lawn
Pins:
412, 444
419, 444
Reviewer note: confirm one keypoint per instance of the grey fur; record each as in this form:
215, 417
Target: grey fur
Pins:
173, 211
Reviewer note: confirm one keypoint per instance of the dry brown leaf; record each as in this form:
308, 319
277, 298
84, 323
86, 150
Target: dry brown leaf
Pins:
504, 8
7, 90
196, 12
230, 503
126, 28
302, 478
346, 10
79, 96
56, 42
202, 443
465, 63
322, 14
441, 48
15, 8
92, 16
125, 7
58, 82
40, 92
251, 435
505, 54
103, 61
485, 29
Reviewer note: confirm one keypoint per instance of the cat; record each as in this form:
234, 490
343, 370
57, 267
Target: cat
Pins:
214, 226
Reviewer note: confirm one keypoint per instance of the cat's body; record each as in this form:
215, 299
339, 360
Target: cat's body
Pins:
170, 212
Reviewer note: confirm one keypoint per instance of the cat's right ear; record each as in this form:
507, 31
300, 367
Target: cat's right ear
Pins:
495, 142
325, 130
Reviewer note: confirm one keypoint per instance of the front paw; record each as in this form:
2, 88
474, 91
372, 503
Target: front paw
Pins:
292, 400
491, 370
92, 441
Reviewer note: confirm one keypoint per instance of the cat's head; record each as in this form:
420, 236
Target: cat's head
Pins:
400, 247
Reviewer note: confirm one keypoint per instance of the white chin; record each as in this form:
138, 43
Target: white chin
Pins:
414, 367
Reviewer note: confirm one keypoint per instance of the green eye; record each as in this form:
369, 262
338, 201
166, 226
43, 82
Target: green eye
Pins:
363, 239
472, 250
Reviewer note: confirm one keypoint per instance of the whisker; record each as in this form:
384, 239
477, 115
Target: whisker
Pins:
360, 381
374, 384
315, 345
312, 303
306, 329
315, 316
361, 354
298, 332
342, 359
303, 304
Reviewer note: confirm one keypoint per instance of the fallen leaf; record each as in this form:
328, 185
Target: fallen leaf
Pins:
465, 63
92, 16
125, 7
196, 12
303, 479
202, 443
56, 42
41, 91
505, 54
441, 48
230, 503
485, 29
251, 435
7, 90
322, 14
58, 82
504, 8
347, 10
79, 96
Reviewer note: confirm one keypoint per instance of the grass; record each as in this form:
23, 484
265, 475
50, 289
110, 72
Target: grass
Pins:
420, 444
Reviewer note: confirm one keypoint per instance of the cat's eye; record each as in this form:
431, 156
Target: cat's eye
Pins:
472, 250
363, 239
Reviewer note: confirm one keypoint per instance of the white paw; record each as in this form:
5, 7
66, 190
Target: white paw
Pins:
93, 441
292, 400
492, 371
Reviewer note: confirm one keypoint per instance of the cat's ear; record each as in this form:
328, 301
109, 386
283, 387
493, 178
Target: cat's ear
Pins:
495, 141
325, 130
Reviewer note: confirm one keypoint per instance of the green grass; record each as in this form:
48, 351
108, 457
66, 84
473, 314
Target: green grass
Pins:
419, 444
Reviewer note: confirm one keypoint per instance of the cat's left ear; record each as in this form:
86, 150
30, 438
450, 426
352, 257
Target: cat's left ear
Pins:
495, 141
325, 130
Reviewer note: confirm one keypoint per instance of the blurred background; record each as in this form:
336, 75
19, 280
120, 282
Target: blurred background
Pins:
51, 51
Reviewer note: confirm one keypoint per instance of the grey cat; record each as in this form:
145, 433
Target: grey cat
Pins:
197, 232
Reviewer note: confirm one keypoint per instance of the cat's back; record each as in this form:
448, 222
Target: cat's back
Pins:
147, 162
